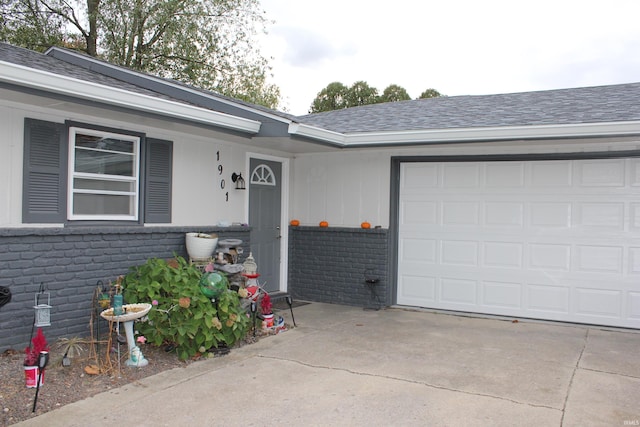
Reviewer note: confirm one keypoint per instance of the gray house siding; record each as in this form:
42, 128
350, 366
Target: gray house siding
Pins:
332, 265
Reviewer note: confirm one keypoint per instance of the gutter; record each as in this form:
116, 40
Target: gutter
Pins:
59, 84
456, 135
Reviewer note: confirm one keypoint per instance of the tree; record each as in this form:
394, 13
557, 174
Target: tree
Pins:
429, 93
394, 93
360, 93
332, 97
205, 43
337, 96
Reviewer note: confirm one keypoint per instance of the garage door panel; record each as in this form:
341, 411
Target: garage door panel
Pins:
550, 214
423, 251
461, 175
419, 287
506, 295
459, 252
555, 240
550, 256
601, 173
547, 298
504, 214
458, 213
635, 217
600, 215
605, 259
504, 175
634, 260
598, 303
633, 305
419, 212
503, 254
420, 176
457, 291
555, 174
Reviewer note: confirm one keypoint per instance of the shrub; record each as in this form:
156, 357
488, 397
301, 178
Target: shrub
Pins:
181, 314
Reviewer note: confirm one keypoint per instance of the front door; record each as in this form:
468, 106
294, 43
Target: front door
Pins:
265, 195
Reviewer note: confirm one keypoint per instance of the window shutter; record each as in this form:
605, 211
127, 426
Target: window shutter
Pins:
158, 171
44, 172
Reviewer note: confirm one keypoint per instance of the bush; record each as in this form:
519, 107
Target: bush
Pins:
181, 314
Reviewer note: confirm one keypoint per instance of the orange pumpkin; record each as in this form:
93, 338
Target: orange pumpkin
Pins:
294, 223
365, 225
324, 224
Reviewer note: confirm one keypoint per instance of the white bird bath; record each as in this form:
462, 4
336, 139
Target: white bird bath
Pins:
131, 313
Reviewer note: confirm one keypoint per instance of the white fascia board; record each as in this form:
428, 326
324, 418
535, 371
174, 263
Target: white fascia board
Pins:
56, 83
582, 130
335, 138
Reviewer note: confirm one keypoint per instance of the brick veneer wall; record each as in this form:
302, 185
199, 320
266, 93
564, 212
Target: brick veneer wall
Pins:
70, 261
329, 265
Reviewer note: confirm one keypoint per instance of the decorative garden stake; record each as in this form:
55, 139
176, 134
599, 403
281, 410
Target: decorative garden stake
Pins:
254, 309
290, 303
43, 359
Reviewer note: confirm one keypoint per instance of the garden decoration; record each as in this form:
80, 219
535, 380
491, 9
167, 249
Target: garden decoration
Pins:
200, 246
130, 313
290, 304
43, 311
267, 313
183, 318
5, 295
43, 360
31, 358
212, 285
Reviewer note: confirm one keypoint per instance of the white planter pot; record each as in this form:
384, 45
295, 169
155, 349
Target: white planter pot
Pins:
200, 246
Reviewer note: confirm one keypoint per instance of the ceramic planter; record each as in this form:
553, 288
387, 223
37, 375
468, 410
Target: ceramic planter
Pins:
200, 246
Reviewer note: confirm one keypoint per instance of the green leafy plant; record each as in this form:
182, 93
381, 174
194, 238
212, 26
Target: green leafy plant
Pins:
181, 314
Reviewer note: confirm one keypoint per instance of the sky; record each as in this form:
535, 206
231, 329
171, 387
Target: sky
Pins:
458, 47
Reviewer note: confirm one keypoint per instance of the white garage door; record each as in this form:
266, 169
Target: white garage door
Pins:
556, 239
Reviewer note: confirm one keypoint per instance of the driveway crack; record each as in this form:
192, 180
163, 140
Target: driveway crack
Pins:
423, 383
573, 375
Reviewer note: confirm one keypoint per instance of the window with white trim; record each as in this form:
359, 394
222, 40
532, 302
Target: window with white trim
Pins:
263, 175
104, 175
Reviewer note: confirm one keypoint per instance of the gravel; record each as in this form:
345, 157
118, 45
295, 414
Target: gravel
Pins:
67, 384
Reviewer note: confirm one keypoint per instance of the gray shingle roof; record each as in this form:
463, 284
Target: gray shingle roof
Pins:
54, 64
38, 61
600, 104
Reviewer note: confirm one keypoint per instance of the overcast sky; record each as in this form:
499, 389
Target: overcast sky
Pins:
458, 47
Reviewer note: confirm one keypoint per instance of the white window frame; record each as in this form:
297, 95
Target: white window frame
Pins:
73, 131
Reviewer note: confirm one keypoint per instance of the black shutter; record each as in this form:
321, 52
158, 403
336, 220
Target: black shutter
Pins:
45, 172
158, 171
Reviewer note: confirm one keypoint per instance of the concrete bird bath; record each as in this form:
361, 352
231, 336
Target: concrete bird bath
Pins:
131, 313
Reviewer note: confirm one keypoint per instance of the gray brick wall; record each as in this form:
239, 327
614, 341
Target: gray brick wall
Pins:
329, 265
70, 261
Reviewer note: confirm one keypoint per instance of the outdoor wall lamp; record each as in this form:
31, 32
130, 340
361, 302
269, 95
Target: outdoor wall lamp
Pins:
239, 180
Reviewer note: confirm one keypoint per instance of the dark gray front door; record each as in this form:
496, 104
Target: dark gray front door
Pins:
265, 195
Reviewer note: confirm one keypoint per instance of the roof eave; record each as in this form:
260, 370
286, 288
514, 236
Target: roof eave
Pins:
56, 83
54, 51
456, 135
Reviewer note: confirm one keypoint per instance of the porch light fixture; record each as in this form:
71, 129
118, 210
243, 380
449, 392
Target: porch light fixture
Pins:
239, 180
43, 311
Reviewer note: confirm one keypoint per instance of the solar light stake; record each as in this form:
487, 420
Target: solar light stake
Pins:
290, 302
254, 308
43, 359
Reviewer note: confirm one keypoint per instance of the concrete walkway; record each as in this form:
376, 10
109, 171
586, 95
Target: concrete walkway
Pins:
346, 366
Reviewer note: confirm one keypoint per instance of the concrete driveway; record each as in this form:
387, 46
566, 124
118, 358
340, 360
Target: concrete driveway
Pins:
346, 366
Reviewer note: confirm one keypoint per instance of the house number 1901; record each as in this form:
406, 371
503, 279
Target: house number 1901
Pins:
222, 181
